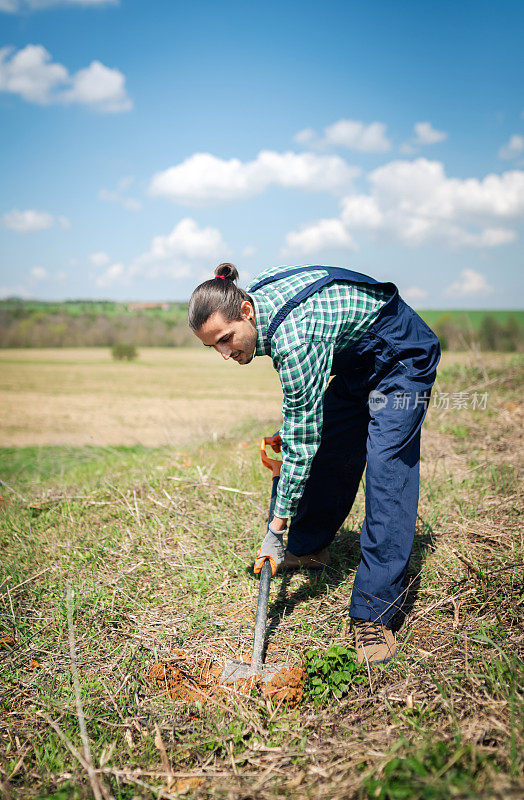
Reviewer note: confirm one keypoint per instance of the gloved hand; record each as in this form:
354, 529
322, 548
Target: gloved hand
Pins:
273, 548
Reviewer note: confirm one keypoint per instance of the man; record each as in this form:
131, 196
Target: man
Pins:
315, 322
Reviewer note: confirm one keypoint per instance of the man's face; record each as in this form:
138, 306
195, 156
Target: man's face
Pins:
236, 339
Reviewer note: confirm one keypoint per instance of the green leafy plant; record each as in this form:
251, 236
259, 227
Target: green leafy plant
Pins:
332, 673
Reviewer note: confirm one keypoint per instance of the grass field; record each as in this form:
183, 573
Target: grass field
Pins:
141, 554
169, 396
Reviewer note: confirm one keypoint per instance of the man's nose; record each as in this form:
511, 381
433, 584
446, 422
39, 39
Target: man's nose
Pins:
224, 351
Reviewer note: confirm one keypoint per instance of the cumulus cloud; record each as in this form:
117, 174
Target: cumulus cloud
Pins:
116, 273
31, 74
39, 273
119, 195
175, 255
305, 136
326, 234
99, 259
414, 294
416, 203
469, 282
349, 133
513, 148
425, 133
18, 6
203, 178
30, 220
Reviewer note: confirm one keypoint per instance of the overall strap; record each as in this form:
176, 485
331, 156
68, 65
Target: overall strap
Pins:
332, 274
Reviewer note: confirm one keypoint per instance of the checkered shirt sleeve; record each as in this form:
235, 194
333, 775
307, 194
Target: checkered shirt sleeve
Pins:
304, 375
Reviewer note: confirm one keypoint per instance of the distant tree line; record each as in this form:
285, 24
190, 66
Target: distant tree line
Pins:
76, 325
82, 323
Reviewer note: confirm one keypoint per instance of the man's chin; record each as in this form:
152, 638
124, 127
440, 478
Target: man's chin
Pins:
246, 359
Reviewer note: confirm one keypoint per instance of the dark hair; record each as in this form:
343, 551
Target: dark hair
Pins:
218, 294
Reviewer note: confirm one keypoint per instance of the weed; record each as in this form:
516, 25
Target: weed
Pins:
332, 673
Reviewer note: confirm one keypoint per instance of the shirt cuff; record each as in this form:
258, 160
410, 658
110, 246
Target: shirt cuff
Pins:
284, 509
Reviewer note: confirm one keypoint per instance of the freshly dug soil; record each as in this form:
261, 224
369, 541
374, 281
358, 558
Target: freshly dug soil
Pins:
189, 680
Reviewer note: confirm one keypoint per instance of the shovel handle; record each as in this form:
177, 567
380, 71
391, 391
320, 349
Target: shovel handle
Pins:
263, 591
261, 616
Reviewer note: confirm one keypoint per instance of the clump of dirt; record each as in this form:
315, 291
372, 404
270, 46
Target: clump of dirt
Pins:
287, 686
189, 680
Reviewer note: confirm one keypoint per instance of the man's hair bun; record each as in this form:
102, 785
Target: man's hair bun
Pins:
226, 271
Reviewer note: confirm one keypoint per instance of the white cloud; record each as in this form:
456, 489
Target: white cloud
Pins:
116, 273
416, 203
414, 294
187, 242
18, 6
305, 136
356, 135
30, 220
203, 178
513, 148
470, 282
119, 196
425, 133
32, 75
322, 235
99, 259
248, 251
175, 255
349, 133
39, 273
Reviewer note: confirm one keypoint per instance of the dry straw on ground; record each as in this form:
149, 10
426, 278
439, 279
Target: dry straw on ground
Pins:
158, 557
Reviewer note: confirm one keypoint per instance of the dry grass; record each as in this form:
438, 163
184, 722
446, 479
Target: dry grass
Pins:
158, 556
167, 397
80, 396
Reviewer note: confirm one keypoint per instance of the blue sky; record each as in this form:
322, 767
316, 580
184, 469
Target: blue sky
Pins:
141, 143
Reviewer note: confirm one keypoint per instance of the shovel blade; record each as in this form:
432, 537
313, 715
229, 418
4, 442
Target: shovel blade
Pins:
234, 670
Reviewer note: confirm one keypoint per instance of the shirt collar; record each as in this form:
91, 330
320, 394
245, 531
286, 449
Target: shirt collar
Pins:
262, 318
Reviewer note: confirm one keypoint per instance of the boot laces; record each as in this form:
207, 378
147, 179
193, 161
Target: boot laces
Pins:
370, 633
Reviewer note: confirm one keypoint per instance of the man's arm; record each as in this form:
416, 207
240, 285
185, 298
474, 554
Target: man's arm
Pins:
304, 373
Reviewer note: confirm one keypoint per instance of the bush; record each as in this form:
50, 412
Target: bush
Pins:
124, 351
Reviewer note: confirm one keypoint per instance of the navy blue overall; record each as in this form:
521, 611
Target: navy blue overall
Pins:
395, 361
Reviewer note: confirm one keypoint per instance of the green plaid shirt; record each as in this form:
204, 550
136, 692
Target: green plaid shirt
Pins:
302, 351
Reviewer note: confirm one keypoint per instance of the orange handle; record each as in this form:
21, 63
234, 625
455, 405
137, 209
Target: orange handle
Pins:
271, 463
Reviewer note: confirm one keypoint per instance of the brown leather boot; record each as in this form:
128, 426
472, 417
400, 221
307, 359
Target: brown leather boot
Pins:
317, 560
374, 642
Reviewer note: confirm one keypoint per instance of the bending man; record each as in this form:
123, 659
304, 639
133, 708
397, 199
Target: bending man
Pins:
315, 322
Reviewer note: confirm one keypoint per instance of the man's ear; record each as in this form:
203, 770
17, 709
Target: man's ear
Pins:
247, 311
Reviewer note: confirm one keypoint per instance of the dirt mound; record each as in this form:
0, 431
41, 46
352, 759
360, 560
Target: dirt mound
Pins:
287, 686
188, 680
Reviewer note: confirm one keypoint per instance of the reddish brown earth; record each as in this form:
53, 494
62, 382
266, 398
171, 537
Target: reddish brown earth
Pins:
188, 681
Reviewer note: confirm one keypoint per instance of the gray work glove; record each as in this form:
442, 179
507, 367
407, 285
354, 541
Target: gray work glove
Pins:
273, 548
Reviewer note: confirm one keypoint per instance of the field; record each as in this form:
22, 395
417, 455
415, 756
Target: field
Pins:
133, 501
169, 396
